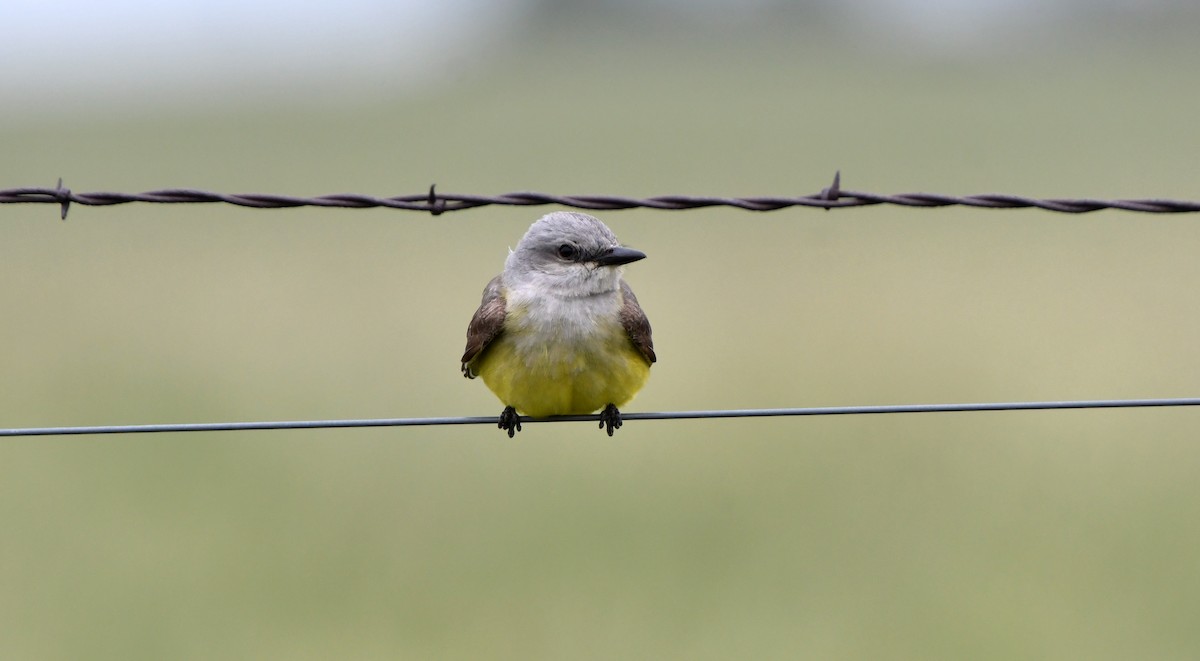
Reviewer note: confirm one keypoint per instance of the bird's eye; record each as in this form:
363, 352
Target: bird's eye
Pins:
567, 251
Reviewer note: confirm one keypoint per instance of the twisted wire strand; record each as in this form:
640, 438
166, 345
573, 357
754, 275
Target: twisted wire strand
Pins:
832, 197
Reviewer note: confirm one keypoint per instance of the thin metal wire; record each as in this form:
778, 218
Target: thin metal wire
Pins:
831, 197
661, 415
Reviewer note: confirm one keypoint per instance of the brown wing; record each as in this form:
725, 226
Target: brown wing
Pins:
485, 326
636, 324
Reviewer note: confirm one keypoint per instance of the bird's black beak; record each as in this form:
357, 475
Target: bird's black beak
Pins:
619, 255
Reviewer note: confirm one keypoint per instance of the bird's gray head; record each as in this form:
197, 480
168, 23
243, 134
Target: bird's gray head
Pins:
572, 254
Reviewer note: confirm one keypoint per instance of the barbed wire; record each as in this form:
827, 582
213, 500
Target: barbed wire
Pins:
625, 417
435, 203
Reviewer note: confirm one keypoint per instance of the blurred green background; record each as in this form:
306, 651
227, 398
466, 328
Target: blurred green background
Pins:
982, 535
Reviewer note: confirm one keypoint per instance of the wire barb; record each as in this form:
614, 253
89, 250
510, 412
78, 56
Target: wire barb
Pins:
434, 203
64, 198
834, 190
436, 206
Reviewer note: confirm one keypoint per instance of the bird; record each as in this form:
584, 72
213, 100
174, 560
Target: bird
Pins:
559, 331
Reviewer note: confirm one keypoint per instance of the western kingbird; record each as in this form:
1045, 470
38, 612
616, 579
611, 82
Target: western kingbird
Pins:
558, 331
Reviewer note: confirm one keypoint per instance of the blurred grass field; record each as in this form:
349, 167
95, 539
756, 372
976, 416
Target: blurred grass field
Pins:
984, 536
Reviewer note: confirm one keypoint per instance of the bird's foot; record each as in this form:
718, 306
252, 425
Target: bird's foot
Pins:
511, 422
610, 419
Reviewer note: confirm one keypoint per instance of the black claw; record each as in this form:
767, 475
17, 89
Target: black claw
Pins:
510, 421
610, 419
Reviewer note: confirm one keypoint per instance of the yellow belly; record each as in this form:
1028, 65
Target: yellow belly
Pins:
555, 379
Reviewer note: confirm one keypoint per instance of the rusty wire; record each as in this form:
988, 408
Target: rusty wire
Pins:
433, 202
